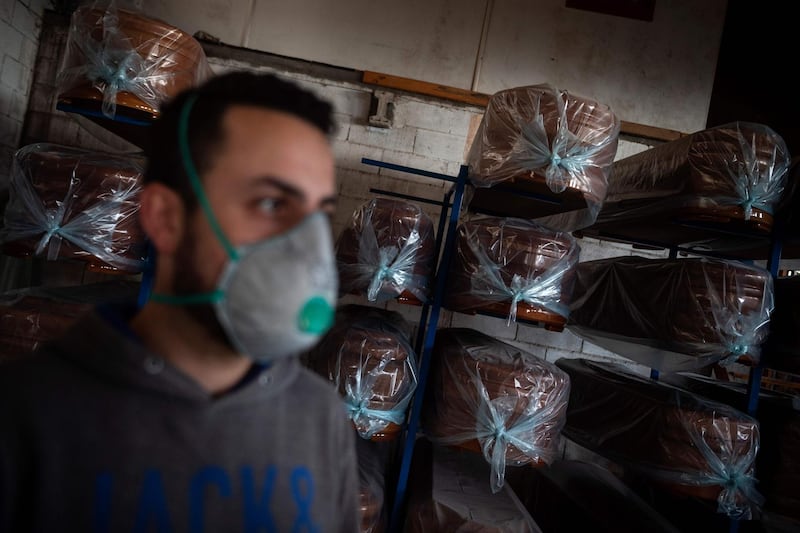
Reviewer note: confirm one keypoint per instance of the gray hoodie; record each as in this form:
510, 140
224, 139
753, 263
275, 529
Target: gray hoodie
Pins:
98, 434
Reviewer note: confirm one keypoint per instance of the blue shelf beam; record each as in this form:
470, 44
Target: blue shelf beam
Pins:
410, 170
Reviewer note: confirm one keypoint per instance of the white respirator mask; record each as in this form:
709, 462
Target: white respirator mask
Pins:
275, 298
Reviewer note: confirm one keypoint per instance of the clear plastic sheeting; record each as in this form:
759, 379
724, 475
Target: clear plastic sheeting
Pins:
576, 496
73, 203
777, 464
512, 266
387, 251
496, 399
372, 466
540, 133
733, 171
448, 493
368, 357
684, 442
119, 58
673, 314
32, 316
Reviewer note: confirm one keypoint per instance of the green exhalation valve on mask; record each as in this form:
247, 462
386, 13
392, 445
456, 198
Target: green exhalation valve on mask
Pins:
316, 316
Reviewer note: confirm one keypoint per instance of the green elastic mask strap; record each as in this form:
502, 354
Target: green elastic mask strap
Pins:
202, 199
194, 178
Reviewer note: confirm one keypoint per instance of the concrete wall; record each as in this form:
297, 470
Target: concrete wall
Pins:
658, 73
20, 23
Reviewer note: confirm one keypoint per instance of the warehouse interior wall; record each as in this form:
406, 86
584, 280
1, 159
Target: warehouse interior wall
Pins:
658, 72
20, 24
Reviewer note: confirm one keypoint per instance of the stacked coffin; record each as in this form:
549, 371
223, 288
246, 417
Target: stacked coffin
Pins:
702, 191
33, 316
538, 170
123, 65
539, 143
368, 357
777, 465
494, 399
512, 268
387, 251
70, 203
686, 443
674, 314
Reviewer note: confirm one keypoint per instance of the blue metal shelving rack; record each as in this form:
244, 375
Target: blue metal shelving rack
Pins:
429, 316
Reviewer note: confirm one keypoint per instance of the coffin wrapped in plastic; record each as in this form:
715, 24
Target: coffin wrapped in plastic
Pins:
513, 268
572, 495
122, 64
373, 458
692, 445
493, 398
33, 316
542, 141
387, 251
777, 462
673, 314
447, 492
733, 174
368, 356
72, 203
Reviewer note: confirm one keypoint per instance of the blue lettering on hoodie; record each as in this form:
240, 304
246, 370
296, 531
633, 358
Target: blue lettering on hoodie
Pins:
210, 482
210, 475
152, 505
256, 510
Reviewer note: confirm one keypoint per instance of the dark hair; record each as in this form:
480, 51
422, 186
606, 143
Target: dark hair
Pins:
214, 97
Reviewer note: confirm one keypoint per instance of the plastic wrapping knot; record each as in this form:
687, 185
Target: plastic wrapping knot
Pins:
112, 63
358, 394
543, 290
738, 494
388, 269
757, 183
388, 263
358, 409
740, 333
494, 434
117, 74
52, 229
563, 159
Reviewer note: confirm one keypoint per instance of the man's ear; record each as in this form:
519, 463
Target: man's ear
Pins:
162, 216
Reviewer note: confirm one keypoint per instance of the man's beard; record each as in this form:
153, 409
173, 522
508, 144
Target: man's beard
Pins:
187, 281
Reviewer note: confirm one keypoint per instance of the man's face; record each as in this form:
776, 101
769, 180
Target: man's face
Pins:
272, 170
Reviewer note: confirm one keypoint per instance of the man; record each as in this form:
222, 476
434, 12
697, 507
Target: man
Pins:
193, 413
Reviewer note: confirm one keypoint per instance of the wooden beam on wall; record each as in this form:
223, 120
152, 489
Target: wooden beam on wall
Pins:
463, 96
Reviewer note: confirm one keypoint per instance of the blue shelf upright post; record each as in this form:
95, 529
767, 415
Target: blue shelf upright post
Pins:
412, 425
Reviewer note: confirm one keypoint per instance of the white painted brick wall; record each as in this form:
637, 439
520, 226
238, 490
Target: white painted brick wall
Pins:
20, 24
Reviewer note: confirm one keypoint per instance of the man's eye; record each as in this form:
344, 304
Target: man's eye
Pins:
269, 205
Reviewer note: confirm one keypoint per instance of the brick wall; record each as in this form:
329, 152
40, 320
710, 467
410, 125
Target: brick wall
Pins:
20, 24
